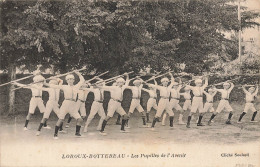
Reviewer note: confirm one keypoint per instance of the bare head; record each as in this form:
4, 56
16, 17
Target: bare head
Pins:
70, 79
198, 82
165, 82
226, 85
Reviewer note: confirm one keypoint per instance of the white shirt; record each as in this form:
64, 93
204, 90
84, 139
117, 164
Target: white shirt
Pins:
209, 97
82, 95
70, 92
98, 93
54, 94
250, 97
175, 93
36, 90
116, 92
136, 91
186, 95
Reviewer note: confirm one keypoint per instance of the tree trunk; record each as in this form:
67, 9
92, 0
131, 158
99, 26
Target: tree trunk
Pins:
12, 76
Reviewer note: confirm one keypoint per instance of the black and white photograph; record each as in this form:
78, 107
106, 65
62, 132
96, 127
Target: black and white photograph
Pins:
129, 83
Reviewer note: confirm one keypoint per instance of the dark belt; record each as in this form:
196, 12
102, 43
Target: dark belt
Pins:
224, 99
187, 99
209, 101
176, 98
37, 96
70, 99
117, 100
152, 97
198, 96
82, 100
163, 97
99, 101
250, 102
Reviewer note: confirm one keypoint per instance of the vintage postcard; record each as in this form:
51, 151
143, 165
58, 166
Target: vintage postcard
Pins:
92, 83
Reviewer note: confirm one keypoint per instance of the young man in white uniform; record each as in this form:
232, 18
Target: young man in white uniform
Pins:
69, 103
174, 102
187, 97
208, 106
164, 104
52, 104
135, 103
114, 104
224, 103
151, 103
36, 100
251, 94
197, 102
97, 105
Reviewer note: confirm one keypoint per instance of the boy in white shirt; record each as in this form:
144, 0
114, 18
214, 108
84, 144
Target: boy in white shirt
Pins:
135, 103
69, 103
36, 100
251, 94
164, 103
224, 103
174, 102
115, 103
187, 97
52, 104
208, 106
197, 102
97, 105
151, 103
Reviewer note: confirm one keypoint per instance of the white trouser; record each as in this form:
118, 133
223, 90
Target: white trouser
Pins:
174, 103
164, 105
249, 106
208, 107
224, 104
187, 105
81, 107
36, 102
197, 104
114, 106
68, 106
97, 107
51, 105
151, 103
135, 104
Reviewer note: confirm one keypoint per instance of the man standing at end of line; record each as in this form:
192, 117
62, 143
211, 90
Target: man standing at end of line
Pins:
224, 102
251, 94
36, 100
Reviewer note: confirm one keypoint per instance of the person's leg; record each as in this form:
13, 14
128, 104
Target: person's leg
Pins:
159, 112
201, 111
102, 115
93, 112
229, 108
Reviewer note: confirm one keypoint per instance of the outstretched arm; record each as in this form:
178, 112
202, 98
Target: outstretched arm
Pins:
22, 85
146, 90
206, 82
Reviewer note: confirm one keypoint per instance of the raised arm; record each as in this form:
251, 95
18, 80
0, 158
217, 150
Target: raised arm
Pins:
256, 91
231, 87
127, 80
206, 93
206, 82
81, 79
